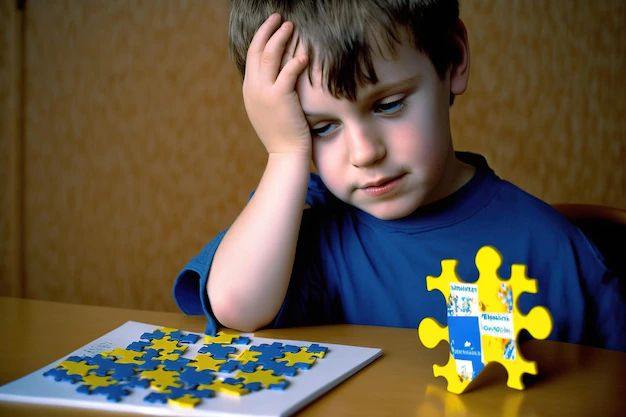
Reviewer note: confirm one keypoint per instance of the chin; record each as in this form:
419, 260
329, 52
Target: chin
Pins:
391, 212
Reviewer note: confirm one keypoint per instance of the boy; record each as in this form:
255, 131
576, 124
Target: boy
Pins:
363, 89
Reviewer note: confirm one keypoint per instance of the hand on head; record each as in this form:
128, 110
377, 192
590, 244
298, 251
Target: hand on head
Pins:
269, 94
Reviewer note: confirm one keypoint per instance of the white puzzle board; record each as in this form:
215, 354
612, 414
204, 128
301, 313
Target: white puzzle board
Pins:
339, 363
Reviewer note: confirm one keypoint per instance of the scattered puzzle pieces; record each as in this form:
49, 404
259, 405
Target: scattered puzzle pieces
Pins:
158, 363
483, 321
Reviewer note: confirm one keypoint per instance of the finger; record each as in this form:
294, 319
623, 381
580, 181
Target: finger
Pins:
262, 35
288, 76
272, 55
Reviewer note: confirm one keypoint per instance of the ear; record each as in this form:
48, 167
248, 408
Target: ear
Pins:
459, 72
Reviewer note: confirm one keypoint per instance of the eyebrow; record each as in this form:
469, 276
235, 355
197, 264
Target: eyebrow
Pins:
380, 90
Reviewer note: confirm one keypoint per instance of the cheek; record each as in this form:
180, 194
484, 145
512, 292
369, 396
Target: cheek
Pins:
327, 161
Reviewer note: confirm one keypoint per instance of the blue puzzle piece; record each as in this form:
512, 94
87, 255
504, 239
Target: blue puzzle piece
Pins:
157, 334
84, 389
279, 386
104, 364
241, 340
122, 371
177, 365
113, 392
290, 348
252, 386
61, 375
217, 350
150, 363
156, 397
315, 348
138, 346
135, 382
190, 338
229, 366
274, 350
191, 378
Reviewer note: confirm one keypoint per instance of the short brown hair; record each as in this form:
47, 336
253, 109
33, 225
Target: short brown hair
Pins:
337, 34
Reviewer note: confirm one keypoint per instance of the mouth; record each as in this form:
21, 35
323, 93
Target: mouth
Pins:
382, 186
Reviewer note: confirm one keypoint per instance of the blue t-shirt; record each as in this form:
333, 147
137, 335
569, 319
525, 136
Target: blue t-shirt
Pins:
353, 268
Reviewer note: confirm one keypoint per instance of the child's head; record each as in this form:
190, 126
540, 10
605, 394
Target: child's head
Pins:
342, 36
381, 78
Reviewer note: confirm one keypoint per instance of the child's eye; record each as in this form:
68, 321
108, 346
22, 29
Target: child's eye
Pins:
391, 107
324, 130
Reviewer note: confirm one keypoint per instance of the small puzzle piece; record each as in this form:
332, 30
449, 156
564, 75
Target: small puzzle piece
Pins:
217, 350
266, 377
176, 364
138, 346
191, 378
230, 366
227, 338
156, 335
188, 339
203, 362
113, 392
135, 381
95, 381
167, 345
484, 320
317, 350
81, 368
303, 359
60, 375
161, 379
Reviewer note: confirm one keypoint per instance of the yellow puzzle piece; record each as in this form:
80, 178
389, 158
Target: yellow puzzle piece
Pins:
483, 321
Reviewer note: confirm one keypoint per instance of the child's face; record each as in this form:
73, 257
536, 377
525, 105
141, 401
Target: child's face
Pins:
390, 151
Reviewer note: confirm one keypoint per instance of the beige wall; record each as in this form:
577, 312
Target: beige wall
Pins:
10, 150
137, 149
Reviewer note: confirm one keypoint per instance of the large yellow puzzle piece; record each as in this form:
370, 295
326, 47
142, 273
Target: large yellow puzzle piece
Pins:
167, 345
162, 379
204, 361
95, 381
77, 368
302, 356
483, 321
265, 377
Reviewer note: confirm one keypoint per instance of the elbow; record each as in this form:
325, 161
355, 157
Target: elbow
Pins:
233, 313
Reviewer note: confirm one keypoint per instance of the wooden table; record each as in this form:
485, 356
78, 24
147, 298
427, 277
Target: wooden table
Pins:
574, 380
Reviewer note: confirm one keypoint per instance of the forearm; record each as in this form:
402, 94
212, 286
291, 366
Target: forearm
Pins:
250, 273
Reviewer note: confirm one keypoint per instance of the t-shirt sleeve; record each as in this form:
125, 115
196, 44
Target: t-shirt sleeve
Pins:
190, 285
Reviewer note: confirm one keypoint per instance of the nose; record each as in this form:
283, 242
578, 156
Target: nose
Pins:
365, 146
